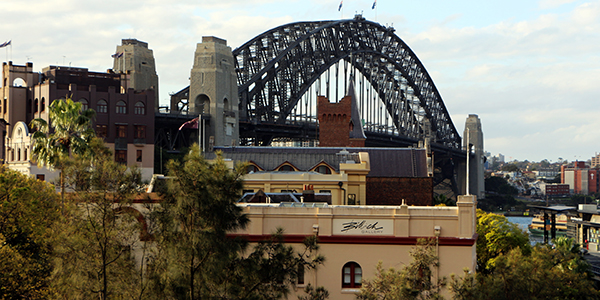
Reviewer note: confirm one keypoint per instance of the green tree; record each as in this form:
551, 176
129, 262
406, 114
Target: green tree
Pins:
545, 273
198, 259
312, 293
496, 236
510, 168
499, 185
68, 132
414, 281
101, 231
28, 211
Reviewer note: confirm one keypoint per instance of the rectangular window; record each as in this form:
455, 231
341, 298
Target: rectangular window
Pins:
101, 130
352, 199
121, 131
40, 177
121, 156
138, 155
301, 274
140, 131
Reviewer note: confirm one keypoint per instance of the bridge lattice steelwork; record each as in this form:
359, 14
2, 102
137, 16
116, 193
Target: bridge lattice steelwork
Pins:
278, 67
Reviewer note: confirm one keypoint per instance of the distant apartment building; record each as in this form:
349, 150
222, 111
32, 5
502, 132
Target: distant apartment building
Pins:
580, 178
554, 189
545, 174
596, 161
124, 116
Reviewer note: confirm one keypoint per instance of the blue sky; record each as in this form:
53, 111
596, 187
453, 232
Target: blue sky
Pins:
529, 69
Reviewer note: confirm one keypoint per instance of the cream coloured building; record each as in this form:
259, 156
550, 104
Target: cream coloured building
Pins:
354, 239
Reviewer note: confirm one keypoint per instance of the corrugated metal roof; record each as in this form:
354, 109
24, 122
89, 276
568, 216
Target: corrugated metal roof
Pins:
385, 162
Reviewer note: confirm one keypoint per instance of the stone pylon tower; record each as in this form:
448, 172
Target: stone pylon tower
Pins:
135, 62
213, 93
473, 135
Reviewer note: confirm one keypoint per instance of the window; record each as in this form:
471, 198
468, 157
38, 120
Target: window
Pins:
121, 131
286, 168
101, 130
300, 274
40, 177
121, 107
35, 105
351, 275
138, 155
323, 169
140, 132
43, 105
102, 106
121, 156
140, 108
251, 169
4, 105
84, 104
352, 199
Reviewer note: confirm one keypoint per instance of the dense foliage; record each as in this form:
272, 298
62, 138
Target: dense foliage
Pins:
28, 212
198, 260
508, 268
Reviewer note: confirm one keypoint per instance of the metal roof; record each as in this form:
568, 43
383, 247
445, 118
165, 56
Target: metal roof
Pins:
384, 162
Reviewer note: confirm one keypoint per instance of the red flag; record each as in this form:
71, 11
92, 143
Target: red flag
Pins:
190, 124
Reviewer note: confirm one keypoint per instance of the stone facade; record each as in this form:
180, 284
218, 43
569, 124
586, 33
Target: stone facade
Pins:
213, 93
135, 63
474, 135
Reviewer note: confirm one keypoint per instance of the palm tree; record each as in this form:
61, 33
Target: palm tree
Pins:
71, 133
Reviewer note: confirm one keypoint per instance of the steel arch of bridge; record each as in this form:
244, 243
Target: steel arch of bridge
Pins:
276, 68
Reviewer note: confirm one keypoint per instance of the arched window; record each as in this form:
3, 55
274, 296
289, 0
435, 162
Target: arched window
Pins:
102, 106
140, 108
121, 107
35, 105
43, 105
351, 275
251, 169
286, 168
226, 106
323, 169
84, 104
202, 104
19, 82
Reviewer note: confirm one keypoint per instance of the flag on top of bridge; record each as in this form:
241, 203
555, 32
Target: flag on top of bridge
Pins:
340, 7
374, 4
5, 44
193, 123
117, 55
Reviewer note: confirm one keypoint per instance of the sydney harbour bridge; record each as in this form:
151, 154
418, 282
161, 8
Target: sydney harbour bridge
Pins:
281, 72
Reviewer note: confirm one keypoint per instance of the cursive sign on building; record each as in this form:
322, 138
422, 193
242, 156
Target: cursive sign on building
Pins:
363, 227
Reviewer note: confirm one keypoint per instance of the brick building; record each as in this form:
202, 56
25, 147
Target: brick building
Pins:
581, 178
124, 117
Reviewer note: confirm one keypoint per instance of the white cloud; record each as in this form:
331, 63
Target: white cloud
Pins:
549, 4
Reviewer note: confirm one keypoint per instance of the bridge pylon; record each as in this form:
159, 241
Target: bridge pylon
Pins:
214, 93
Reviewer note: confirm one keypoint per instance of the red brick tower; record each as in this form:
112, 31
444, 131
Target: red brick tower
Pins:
340, 124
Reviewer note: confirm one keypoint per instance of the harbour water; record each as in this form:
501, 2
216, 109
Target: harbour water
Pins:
523, 222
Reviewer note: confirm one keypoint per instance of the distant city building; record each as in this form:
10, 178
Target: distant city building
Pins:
596, 161
580, 178
545, 174
554, 189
